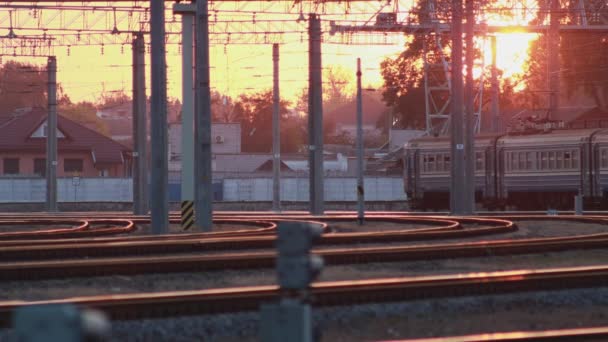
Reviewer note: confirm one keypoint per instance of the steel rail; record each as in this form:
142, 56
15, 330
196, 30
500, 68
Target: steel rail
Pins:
179, 245
578, 334
49, 269
171, 304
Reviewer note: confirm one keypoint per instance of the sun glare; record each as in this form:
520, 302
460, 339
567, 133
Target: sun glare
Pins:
511, 52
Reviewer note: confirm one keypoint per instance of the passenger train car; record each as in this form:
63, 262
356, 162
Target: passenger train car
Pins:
514, 171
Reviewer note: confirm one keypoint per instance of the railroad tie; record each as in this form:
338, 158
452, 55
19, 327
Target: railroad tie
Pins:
187, 214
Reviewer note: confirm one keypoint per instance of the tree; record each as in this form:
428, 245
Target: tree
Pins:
254, 112
22, 85
85, 114
338, 89
113, 98
222, 108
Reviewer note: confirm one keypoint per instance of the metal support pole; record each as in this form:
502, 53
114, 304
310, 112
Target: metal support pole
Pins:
578, 204
457, 170
360, 185
315, 116
51, 137
159, 203
495, 90
553, 62
140, 140
187, 121
469, 122
202, 122
291, 318
276, 131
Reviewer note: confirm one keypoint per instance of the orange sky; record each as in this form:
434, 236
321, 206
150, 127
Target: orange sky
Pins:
85, 73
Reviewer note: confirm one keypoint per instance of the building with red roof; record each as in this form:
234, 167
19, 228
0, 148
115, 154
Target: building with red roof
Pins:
81, 151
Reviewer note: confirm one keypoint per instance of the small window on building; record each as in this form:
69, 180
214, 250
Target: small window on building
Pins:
11, 166
40, 167
73, 166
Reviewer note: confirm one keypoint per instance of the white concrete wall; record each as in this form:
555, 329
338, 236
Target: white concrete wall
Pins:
296, 189
15, 190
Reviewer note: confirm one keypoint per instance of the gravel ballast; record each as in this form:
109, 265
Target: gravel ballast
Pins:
415, 319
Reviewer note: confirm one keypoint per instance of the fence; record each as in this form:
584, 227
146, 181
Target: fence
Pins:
297, 190
22, 190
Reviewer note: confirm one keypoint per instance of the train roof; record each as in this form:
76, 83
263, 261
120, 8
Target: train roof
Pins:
560, 136
443, 140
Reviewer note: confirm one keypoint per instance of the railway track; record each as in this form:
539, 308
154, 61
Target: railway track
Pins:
78, 246
42, 259
230, 300
580, 334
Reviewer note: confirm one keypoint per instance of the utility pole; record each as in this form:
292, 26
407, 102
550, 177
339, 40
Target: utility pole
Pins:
458, 167
315, 115
159, 202
495, 90
276, 131
553, 61
202, 122
51, 136
360, 185
140, 165
469, 127
187, 212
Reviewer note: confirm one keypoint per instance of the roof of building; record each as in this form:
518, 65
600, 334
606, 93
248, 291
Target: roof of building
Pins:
15, 135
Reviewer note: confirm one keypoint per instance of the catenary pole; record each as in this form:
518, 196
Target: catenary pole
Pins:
470, 120
140, 165
187, 120
159, 202
457, 169
315, 116
360, 185
202, 122
51, 136
495, 90
276, 131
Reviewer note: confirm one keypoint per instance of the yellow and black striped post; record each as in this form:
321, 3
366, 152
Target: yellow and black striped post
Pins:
187, 214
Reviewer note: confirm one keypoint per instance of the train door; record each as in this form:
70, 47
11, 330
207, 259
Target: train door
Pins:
595, 176
586, 169
501, 192
490, 182
411, 176
415, 173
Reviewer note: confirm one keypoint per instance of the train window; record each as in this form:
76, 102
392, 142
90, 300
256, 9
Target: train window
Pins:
479, 161
514, 161
440, 162
604, 162
567, 160
529, 161
544, 161
446, 162
551, 160
559, 160
574, 161
522, 160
